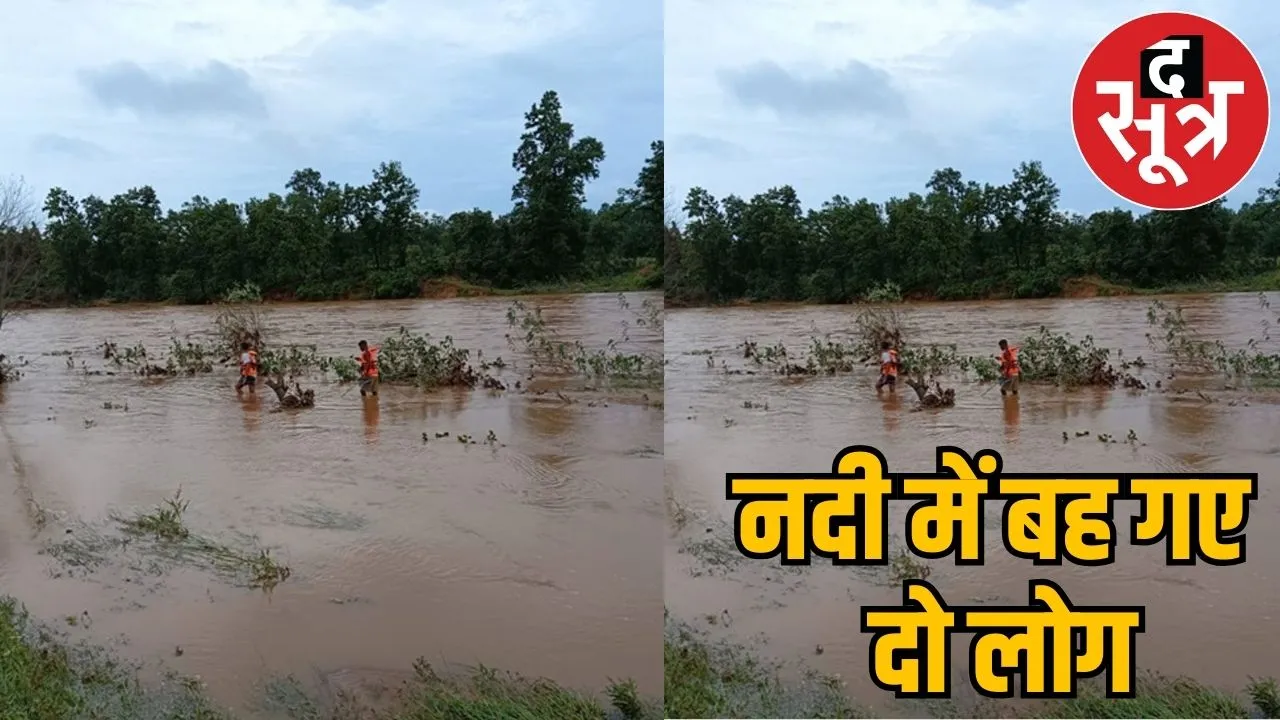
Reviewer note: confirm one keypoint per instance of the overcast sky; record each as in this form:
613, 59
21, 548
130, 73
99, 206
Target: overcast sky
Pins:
867, 99
229, 97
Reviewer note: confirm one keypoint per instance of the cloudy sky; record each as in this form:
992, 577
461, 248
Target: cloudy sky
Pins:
867, 98
229, 97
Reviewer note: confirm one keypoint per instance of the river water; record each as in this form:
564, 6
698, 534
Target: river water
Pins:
1208, 622
541, 556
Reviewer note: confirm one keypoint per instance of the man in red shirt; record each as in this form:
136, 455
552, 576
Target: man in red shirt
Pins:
1009, 370
368, 359
889, 366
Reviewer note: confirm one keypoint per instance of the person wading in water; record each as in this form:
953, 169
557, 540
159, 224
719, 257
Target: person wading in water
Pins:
368, 359
248, 368
889, 367
1009, 369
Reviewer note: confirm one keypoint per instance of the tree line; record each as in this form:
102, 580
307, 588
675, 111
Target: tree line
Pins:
958, 240
322, 240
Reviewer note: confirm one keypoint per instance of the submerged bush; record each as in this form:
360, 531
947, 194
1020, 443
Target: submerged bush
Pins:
189, 358
406, 357
1059, 359
1044, 357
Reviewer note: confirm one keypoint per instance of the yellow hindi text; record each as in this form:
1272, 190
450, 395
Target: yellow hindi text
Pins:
1047, 518
1044, 648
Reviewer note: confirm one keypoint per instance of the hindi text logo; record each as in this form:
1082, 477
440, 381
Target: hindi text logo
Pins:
1170, 111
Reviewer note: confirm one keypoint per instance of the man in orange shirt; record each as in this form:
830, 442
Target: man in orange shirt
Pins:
1009, 369
368, 359
889, 366
248, 368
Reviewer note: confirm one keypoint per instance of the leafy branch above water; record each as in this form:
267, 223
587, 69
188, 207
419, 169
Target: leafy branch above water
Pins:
1172, 335
622, 360
410, 358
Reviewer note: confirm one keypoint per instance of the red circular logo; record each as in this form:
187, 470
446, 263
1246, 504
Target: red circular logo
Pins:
1170, 111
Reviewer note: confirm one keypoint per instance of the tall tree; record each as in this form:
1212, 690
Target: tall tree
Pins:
554, 170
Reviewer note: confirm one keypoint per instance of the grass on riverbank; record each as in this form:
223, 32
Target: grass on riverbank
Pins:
711, 679
1097, 287
707, 679
643, 278
45, 677
1171, 697
1265, 282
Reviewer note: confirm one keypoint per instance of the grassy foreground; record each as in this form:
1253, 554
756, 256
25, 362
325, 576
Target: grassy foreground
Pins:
44, 677
706, 679
711, 679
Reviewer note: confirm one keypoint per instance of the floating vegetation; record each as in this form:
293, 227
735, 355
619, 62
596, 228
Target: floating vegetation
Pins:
164, 523
169, 538
1172, 336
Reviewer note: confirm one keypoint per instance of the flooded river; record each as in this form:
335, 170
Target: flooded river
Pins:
541, 556
1207, 622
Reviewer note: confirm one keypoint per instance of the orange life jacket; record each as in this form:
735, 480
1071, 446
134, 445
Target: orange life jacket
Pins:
369, 362
1009, 362
890, 368
250, 369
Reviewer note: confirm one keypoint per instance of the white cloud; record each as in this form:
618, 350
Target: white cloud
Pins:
986, 85
105, 77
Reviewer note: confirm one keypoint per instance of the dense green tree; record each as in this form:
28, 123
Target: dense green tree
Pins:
958, 240
322, 240
554, 170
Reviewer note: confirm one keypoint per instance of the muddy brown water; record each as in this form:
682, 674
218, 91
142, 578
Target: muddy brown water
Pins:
541, 556
1216, 624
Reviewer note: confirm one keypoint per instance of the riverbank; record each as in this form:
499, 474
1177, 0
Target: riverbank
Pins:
45, 676
708, 678
642, 278
1073, 288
